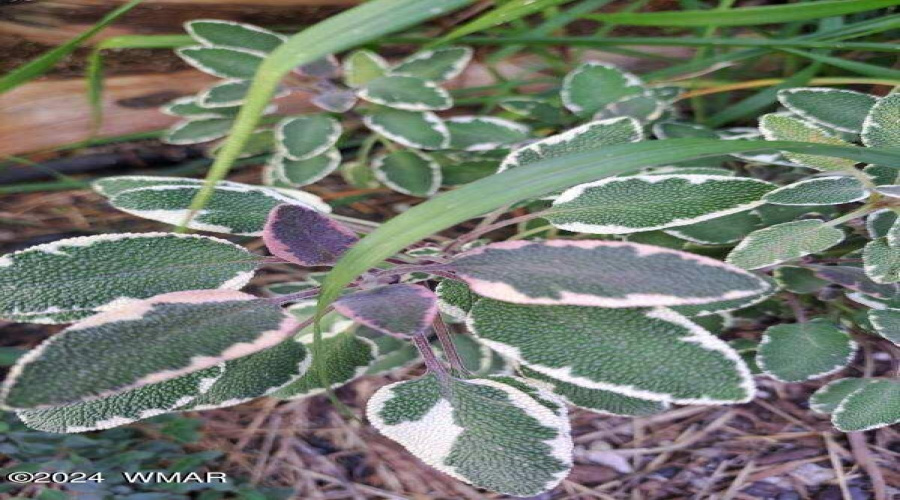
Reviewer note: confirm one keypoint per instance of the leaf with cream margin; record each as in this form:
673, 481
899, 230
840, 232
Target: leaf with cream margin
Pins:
881, 261
486, 432
144, 342
593, 85
218, 33
600, 273
302, 172
198, 130
484, 133
874, 405
784, 242
828, 397
408, 93
724, 230
779, 127
619, 205
838, 109
401, 310
700, 310
408, 172
305, 236
223, 62
124, 408
393, 353
70, 279
225, 94
882, 128
455, 299
436, 65
648, 353
363, 66
887, 323
797, 352
819, 191
303, 137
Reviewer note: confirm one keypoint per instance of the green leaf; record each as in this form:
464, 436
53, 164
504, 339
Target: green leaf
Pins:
125, 408
882, 261
260, 143
363, 66
804, 351
643, 107
828, 397
838, 109
221, 62
423, 130
144, 342
189, 107
476, 357
619, 205
344, 356
484, 133
408, 172
303, 172
777, 127
436, 65
798, 279
856, 279
600, 274
819, 191
535, 109
784, 242
598, 400
455, 299
731, 304
881, 128
409, 93
886, 323
198, 130
874, 405
593, 85
71, 279
393, 353
487, 433
303, 137
719, 231
880, 222
653, 354
216, 33
463, 169
225, 94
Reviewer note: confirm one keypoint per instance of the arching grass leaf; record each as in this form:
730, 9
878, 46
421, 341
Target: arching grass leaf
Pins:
881, 128
874, 405
724, 230
886, 323
144, 342
409, 93
303, 172
259, 143
363, 66
829, 396
654, 354
221, 62
600, 273
436, 65
881, 261
819, 191
482, 431
305, 236
71, 279
424, 130
778, 127
592, 86
804, 351
484, 133
784, 242
455, 299
408, 172
839, 109
619, 205
213, 32
198, 130
303, 137
401, 310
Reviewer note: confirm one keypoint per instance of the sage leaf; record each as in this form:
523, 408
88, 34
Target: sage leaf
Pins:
401, 310
303, 137
856, 279
213, 32
423, 130
305, 236
828, 397
455, 299
784, 242
408, 172
778, 127
198, 130
881, 128
724, 230
225, 94
881, 261
436, 65
303, 172
886, 323
832, 190
592, 86
484, 133
798, 352
874, 405
839, 109
222, 62
363, 66
409, 93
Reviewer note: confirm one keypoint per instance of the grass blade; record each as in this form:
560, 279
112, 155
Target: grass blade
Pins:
509, 11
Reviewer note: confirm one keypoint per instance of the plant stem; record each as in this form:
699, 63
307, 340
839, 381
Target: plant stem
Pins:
443, 335
431, 361
478, 231
861, 211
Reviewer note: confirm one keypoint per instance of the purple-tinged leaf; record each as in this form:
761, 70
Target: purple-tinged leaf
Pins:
306, 237
856, 279
400, 310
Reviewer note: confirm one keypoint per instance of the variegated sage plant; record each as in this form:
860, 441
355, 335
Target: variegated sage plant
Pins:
617, 296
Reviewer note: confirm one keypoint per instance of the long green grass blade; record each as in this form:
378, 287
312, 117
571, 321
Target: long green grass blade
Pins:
762, 99
846, 64
505, 13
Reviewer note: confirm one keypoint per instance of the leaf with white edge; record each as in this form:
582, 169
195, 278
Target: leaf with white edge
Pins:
882, 126
239, 210
598, 400
881, 261
303, 172
719, 231
286, 287
221, 62
125, 408
843, 110
592, 86
225, 94
484, 133
798, 279
643, 108
618, 205
213, 32
113, 185
345, 357
874, 405
828, 397
198, 130
437, 65
880, 222
588, 137
401, 310
259, 374
455, 299
535, 109
305, 236
363, 66
689, 170
886, 323
408, 172
188, 107
655, 354
804, 351
856, 279
144, 342
771, 287
890, 190
335, 100
819, 191
772, 214
784, 242
424, 130
484, 432
883, 174
303, 137
779, 127
406, 92
71, 279
601, 274
393, 353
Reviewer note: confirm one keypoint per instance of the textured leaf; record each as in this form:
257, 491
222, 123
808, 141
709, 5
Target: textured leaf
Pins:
189, 107
881, 128
600, 273
226, 94
881, 261
211, 32
222, 62
618, 205
406, 92
654, 354
455, 299
198, 130
729, 305
856, 279
393, 353
776, 127
408, 172
719, 231
400, 310
819, 191
363, 66
71, 279
804, 351
891, 190
828, 397
643, 108
874, 405
305, 236
784, 242
303, 137
345, 358
125, 408
886, 323
481, 431
880, 222
437, 65
484, 133
303, 172
424, 130
144, 342
838, 109
535, 109
593, 85
798, 279
588, 137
